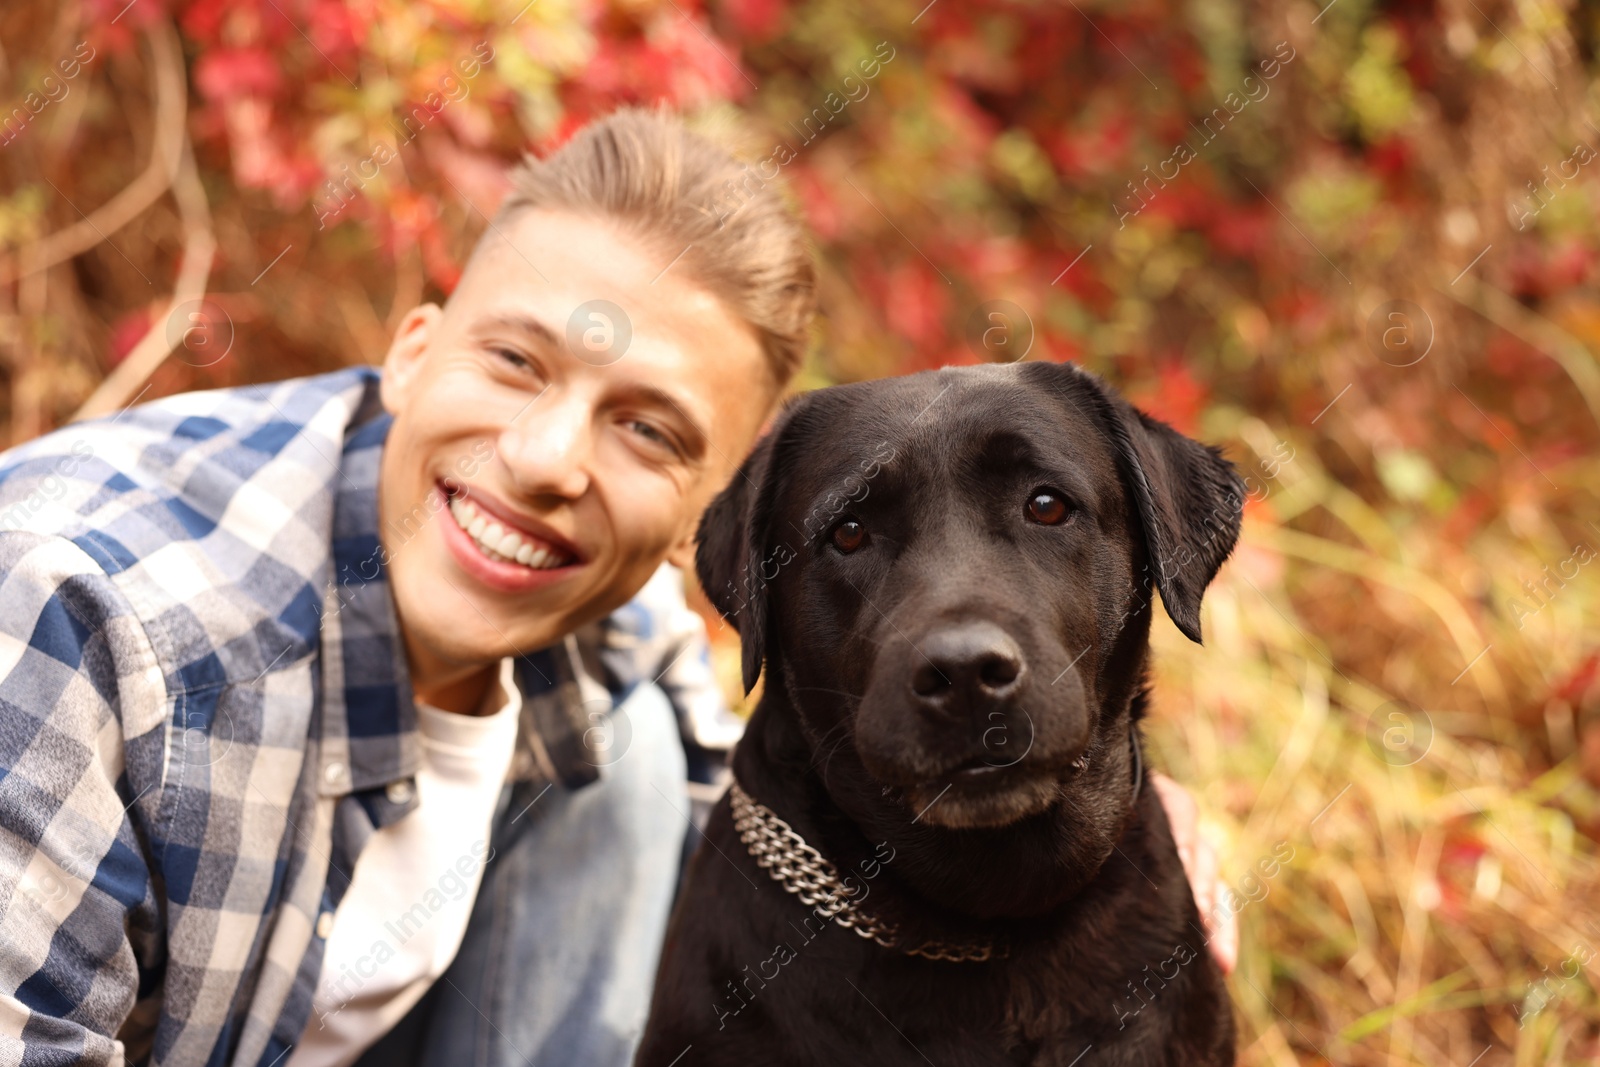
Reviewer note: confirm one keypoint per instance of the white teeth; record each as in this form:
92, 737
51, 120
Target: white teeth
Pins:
497, 541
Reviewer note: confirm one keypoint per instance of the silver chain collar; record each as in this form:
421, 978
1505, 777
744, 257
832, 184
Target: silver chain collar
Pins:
812, 877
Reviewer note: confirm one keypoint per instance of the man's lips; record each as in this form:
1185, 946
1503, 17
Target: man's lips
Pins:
504, 536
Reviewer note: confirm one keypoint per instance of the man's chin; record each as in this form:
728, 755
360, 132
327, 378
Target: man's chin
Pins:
453, 623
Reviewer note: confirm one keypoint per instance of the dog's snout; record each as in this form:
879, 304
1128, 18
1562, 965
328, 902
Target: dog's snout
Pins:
971, 664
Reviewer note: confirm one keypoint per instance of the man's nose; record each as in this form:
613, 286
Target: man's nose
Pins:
548, 448
966, 668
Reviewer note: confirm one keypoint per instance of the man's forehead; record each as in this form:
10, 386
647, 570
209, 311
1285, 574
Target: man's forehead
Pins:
537, 239
545, 253
559, 262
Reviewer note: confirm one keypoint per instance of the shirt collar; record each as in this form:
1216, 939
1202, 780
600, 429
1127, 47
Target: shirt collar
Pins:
369, 723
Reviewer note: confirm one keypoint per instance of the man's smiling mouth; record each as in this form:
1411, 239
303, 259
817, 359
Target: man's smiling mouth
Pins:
502, 542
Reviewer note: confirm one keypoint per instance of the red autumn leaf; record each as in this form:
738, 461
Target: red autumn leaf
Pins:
229, 73
755, 20
126, 332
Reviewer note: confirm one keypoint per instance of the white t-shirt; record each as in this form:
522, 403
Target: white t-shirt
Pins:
401, 921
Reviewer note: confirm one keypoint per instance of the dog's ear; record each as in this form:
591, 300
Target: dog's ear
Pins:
731, 558
1189, 499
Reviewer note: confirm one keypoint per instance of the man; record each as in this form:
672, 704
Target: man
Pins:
351, 706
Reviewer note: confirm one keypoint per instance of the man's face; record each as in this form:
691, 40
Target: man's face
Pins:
528, 487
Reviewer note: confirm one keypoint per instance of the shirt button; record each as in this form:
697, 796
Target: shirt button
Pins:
399, 791
325, 925
333, 773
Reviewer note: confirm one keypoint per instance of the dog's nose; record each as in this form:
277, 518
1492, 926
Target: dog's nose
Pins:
969, 665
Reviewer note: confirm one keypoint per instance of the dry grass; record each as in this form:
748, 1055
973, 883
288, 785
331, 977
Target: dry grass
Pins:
1432, 886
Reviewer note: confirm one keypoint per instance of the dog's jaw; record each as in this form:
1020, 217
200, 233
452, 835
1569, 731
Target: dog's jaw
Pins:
980, 804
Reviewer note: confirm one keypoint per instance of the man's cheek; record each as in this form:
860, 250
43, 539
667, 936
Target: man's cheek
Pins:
649, 515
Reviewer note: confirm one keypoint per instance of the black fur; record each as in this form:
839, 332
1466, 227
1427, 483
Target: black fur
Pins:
929, 700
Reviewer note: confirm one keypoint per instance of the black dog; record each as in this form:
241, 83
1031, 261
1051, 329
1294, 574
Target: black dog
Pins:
949, 579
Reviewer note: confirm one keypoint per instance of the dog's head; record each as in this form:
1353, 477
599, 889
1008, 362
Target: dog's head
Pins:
949, 577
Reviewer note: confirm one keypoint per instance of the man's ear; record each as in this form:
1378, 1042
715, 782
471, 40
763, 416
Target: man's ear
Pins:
1190, 500
404, 359
733, 561
681, 555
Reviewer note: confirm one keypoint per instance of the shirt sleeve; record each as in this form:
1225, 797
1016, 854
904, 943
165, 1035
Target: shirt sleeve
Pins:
80, 690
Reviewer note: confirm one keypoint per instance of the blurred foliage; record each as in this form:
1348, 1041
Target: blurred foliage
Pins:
1213, 203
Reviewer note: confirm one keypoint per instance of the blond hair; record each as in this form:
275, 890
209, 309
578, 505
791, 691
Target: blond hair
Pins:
679, 190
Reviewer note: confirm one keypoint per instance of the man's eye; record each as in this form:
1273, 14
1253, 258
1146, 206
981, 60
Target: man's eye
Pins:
650, 433
511, 358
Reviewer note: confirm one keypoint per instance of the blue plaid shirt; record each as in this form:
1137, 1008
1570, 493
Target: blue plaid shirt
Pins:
205, 712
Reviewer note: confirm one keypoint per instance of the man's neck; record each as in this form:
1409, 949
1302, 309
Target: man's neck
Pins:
460, 688
465, 697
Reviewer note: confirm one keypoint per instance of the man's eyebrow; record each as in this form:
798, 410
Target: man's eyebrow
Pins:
517, 322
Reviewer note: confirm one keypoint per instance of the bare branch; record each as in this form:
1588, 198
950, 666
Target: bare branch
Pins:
199, 250
169, 90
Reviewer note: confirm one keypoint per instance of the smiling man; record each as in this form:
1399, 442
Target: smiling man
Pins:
300, 682
604, 457
352, 716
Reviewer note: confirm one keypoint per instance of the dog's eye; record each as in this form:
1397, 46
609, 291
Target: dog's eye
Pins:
848, 536
1047, 509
